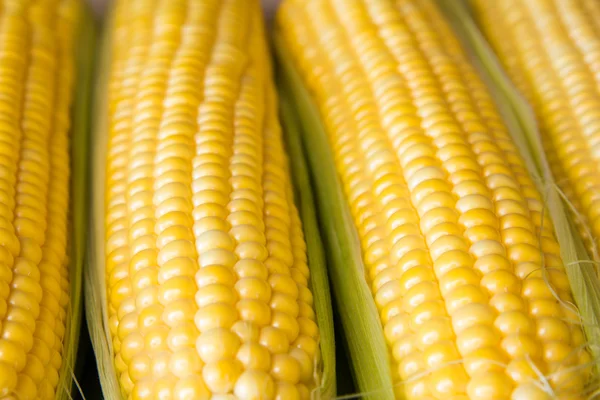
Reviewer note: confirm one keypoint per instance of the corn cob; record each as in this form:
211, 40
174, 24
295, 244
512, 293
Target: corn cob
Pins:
207, 282
550, 50
461, 259
39, 299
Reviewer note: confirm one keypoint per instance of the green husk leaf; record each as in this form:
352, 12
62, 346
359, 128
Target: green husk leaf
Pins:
316, 255
357, 310
524, 130
95, 287
79, 200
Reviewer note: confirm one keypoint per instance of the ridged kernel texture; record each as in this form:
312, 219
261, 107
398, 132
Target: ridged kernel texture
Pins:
37, 74
206, 263
551, 51
462, 261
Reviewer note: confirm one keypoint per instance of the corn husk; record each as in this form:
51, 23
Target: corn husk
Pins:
319, 280
79, 197
356, 307
95, 288
525, 132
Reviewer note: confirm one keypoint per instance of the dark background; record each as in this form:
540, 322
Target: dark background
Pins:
87, 374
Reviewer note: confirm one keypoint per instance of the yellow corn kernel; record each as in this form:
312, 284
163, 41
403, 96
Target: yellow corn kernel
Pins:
451, 225
37, 68
206, 261
549, 49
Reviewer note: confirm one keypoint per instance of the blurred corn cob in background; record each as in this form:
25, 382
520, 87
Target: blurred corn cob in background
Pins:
44, 48
551, 51
203, 252
460, 256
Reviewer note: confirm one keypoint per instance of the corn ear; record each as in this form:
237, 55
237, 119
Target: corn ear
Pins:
374, 63
548, 50
580, 266
46, 63
113, 374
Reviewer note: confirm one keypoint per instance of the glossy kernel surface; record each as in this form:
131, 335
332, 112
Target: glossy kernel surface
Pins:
207, 275
551, 51
37, 71
461, 259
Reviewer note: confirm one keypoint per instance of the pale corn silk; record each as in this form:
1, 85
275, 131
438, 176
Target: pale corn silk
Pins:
269, 6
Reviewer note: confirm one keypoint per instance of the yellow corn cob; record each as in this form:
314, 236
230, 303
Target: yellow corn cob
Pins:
462, 261
37, 71
551, 51
206, 264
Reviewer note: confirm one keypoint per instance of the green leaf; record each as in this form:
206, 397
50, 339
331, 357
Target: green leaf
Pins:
316, 255
357, 309
79, 192
95, 286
